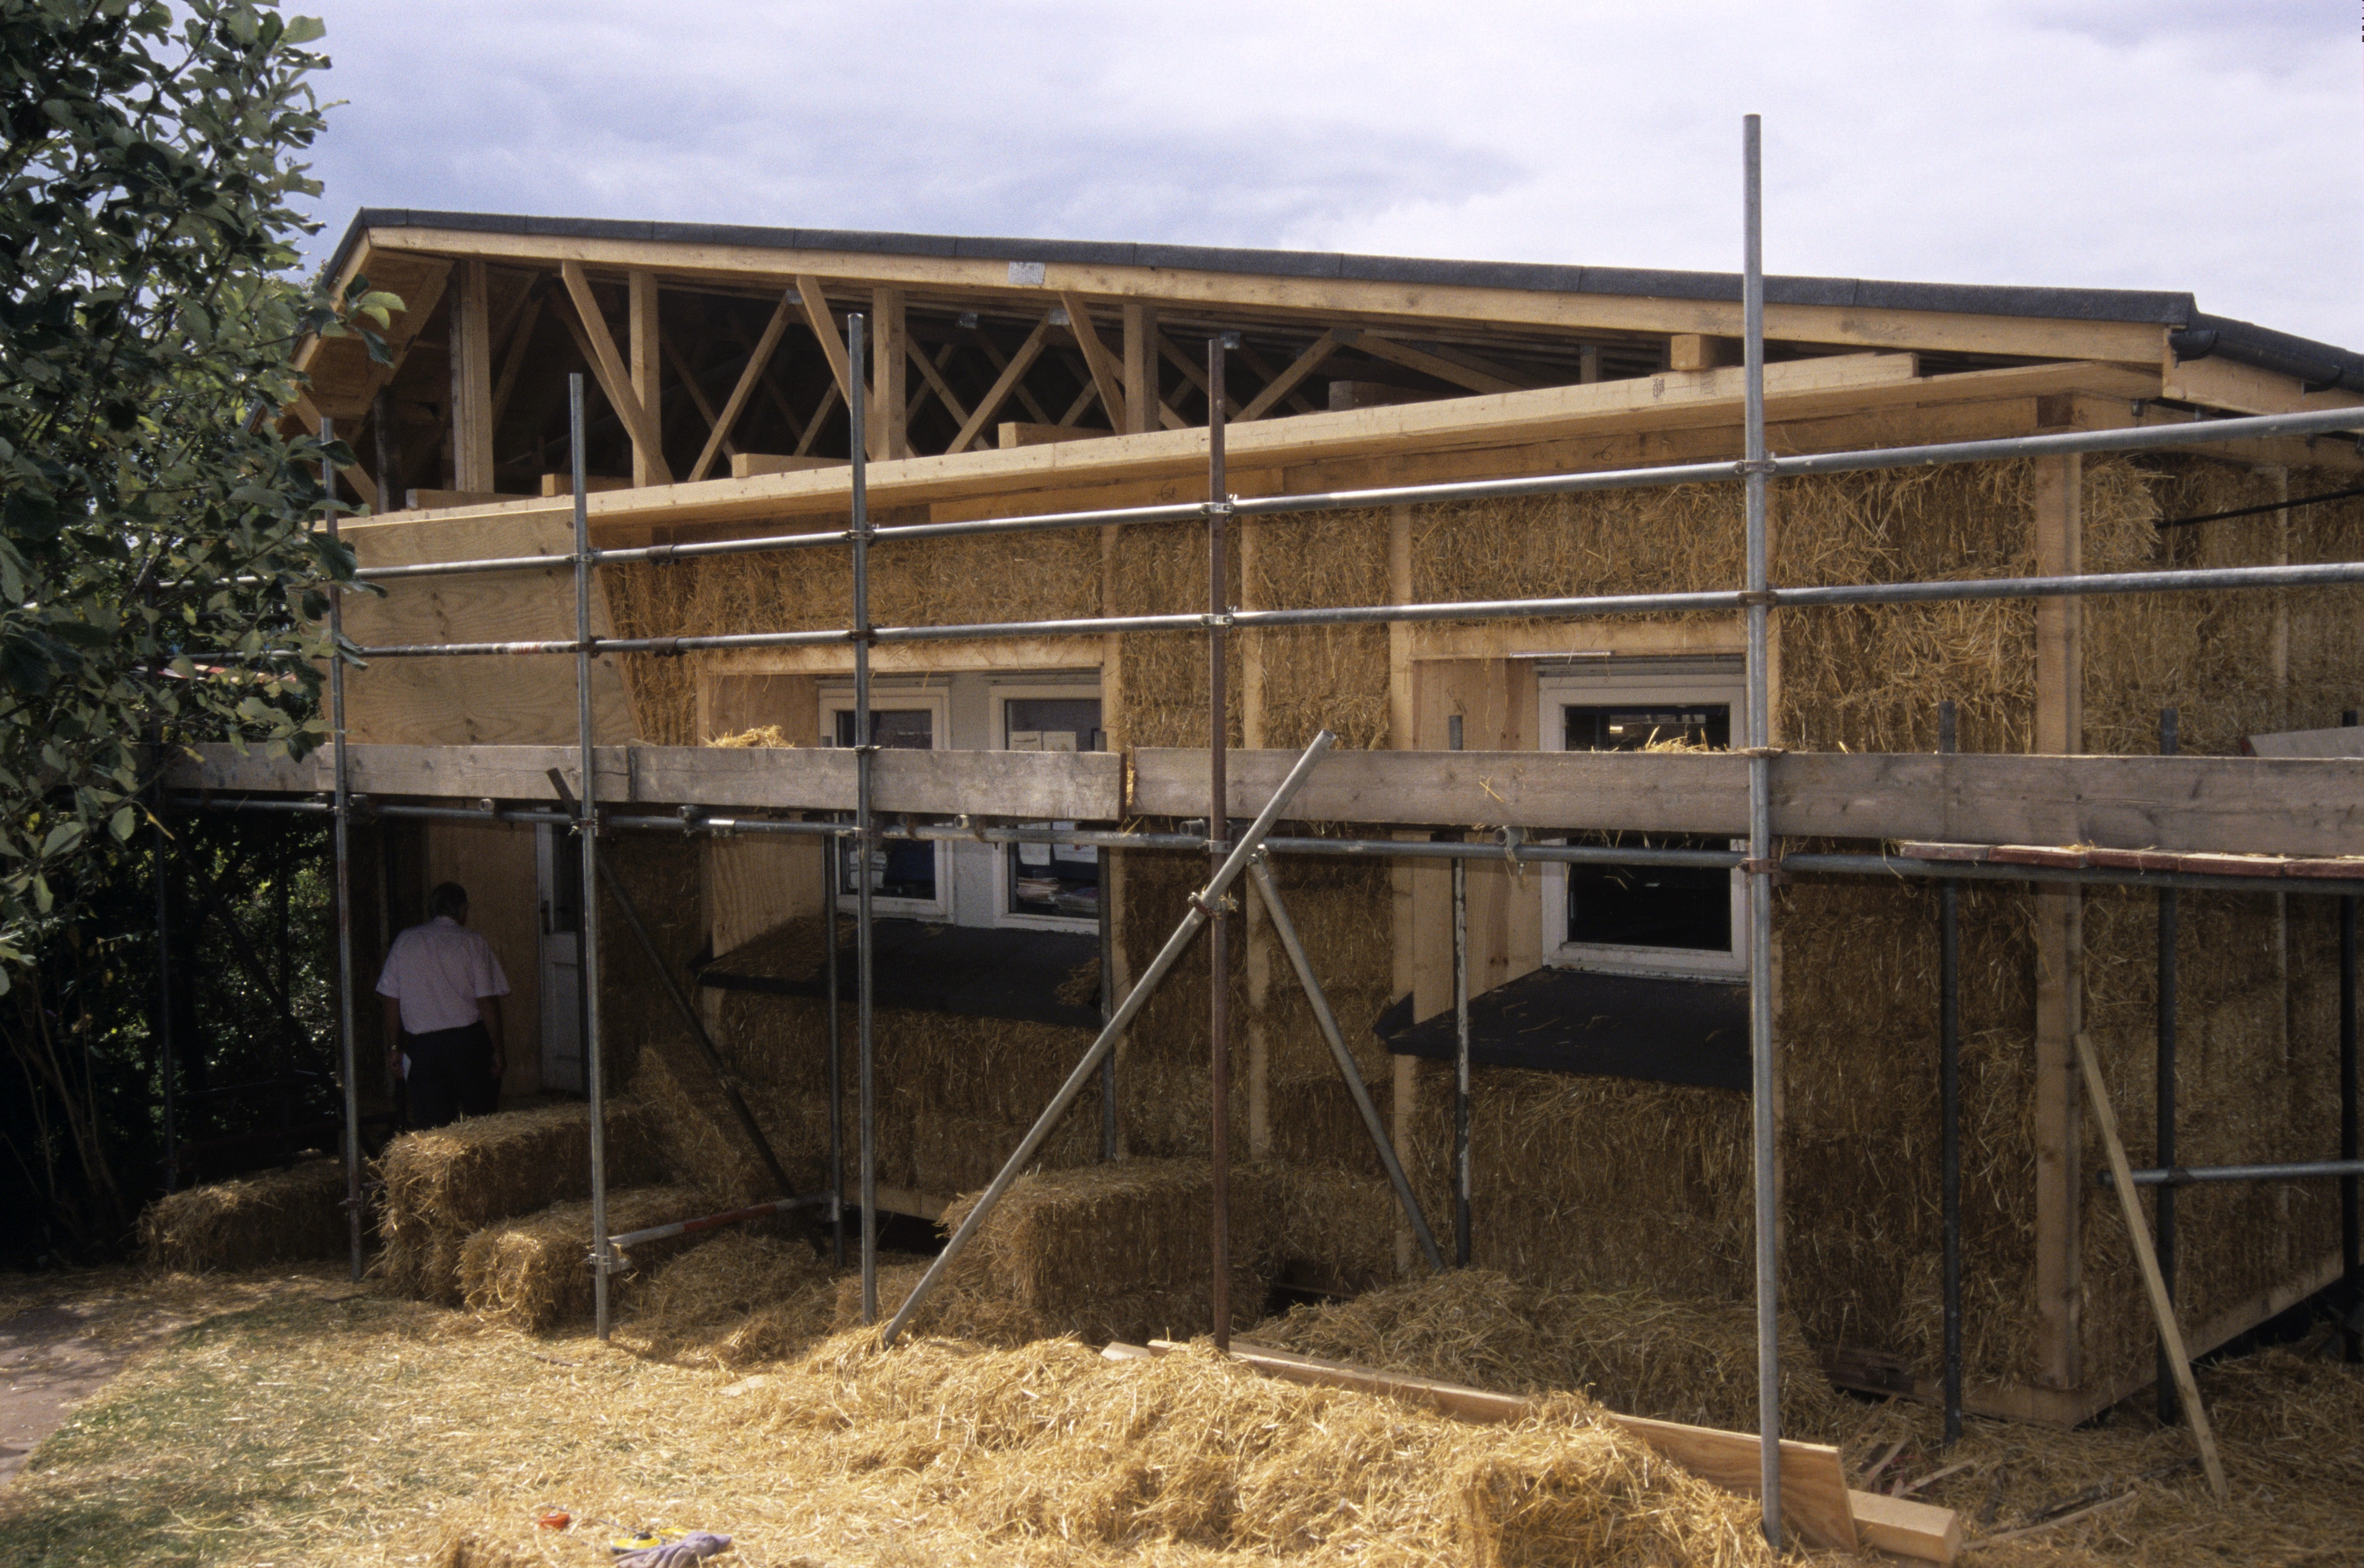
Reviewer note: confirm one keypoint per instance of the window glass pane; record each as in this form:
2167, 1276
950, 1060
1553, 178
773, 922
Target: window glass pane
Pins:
898, 869
1057, 880
1679, 907
910, 729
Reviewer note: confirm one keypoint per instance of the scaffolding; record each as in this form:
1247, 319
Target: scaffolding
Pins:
1247, 855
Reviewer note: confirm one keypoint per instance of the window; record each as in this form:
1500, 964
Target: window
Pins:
907, 877
1642, 918
1056, 886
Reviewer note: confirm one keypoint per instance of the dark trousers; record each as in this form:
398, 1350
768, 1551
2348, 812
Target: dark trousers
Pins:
451, 1075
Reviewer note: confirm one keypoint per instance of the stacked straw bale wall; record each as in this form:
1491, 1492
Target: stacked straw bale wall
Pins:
1607, 1184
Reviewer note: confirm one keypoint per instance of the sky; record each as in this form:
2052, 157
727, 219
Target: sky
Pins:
2215, 148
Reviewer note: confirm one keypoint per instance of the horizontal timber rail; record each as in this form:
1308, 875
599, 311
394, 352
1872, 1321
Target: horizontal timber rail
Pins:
716, 1221
2313, 423
2306, 807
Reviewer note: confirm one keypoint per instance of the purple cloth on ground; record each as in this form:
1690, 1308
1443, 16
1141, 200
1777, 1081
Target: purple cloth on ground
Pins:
691, 1548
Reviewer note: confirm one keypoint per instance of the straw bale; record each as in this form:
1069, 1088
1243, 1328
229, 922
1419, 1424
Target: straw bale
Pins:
962, 1306
1120, 1251
1051, 1443
1631, 1351
663, 876
443, 1184
740, 1298
271, 1216
1337, 1229
534, 1273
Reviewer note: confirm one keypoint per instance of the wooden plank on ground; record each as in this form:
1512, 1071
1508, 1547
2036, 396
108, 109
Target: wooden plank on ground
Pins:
1906, 1528
1815, 1501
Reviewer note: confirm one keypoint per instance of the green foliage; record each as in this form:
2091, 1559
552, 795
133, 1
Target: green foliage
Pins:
162, 570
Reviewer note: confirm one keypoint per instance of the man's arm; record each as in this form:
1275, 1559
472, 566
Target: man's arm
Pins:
489, 1009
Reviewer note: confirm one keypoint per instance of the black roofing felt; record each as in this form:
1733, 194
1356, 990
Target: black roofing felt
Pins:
969, 971
1611, 1025
2317, 362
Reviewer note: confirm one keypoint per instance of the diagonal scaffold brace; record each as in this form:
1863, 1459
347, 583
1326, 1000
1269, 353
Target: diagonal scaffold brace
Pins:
1202, 905
1260, 871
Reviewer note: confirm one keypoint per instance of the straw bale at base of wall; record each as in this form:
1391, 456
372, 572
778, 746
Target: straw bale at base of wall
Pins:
273, 1217
535, 1272
444, 1185
1634, 1351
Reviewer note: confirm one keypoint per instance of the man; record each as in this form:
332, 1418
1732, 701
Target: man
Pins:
441, 990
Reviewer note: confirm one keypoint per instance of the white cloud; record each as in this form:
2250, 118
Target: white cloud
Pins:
2178, 144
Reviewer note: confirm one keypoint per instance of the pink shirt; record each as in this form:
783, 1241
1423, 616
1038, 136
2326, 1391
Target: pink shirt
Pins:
437, 972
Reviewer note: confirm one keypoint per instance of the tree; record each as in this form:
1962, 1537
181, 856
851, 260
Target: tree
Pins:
162, 573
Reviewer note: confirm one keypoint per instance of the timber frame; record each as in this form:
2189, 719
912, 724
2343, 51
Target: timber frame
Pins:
1107, 376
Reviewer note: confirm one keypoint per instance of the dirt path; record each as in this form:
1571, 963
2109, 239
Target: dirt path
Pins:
53, 1358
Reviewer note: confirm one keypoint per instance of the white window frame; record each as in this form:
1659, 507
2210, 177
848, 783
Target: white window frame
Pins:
998, 693
1617, 682
937, 700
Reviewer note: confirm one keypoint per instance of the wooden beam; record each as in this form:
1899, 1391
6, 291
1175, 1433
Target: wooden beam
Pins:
890, 341
747, 465
1084, 400
1433, 364
598, 346
1143, 409
1107, 374
1305, 364
2303, 807
2058, 728
686, 373
759, 360
643, 326
2244, 389
992, 351
829, 399
1070, 786
2106, 1121
1387, 304
1012, 372
472, 379
353, 475
824, 327
1012, 434
931, 374
1700, 351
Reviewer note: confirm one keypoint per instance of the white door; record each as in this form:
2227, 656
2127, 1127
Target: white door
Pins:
558, 867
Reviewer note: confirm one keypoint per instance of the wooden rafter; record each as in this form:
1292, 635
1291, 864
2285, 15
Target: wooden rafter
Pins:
1305, 364
591, 335
528, 317
1192, 374
717, 433
1453, 371
824, 327
829, 399
1084, 400
1012, 372
363, 486
931, 377
1106, 370
1258, 365
759, 361
1024, 393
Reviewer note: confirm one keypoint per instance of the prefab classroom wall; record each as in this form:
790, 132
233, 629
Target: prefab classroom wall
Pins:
1589, 1180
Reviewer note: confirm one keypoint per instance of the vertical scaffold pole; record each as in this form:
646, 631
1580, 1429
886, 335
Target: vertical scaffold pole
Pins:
1108, 1002
341, 829
594, 1075
2351, 1210
865, 755
831, 853
1219, 978
167, 1069
1760, 840
2170, 1409
1949, 1097
1462, 1177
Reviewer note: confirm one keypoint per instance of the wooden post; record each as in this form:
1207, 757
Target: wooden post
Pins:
1402, 718
648, 356
1258, 934
472, 379
889, 437
1140, 371
2060, 918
